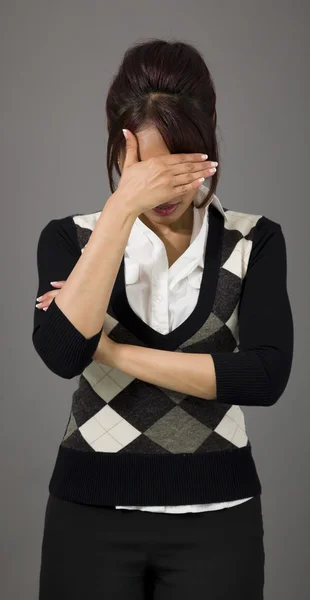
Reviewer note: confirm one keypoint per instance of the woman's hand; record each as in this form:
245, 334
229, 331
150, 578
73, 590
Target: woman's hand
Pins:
106, 351
144, 184
46, 299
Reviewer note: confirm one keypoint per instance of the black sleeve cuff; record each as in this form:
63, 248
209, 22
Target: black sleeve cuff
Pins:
241, 379
64, 350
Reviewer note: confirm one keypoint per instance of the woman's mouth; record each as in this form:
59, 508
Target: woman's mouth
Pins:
165, 209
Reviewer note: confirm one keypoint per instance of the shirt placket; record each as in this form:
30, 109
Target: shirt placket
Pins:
159, 292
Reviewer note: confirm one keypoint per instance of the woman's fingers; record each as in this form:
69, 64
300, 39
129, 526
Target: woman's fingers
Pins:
194, 167
189, 177
57, 283
173, 159
46, 299
183, 188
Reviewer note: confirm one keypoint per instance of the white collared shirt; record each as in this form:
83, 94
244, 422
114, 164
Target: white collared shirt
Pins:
163, 296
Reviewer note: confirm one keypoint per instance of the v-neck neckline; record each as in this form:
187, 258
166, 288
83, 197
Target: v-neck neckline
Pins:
171, 340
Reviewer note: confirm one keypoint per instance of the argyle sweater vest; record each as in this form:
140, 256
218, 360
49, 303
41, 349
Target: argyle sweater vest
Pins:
132, 443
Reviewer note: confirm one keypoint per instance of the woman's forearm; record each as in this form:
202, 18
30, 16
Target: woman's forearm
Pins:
191, 374
85, 295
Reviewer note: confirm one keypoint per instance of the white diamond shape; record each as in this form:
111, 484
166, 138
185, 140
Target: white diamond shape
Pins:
124, 433
106, 444
93, 373
226, 428
240, 438
91, 430
105, 368
234, 261
246, 255
107, 389
120, 377
87, 221
107, 417
243, 222
237, 415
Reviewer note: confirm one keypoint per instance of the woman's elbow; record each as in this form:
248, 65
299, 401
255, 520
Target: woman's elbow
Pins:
277, 373
64, 364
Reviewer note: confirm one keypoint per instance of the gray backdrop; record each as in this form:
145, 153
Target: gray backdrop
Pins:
57, 59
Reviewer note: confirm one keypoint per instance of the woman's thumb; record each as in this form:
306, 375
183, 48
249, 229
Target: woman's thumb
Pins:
131, 156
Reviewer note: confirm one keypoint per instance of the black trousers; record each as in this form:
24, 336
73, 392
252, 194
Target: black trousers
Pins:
103, 553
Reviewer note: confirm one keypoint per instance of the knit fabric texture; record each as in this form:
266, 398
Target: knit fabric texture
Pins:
130, 442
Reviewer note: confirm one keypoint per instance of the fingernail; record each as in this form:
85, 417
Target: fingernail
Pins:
45, 308
204, 156
37, 306
125, 132
54, 282
39, 298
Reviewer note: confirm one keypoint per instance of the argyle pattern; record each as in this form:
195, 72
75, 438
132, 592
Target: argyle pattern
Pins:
114, 412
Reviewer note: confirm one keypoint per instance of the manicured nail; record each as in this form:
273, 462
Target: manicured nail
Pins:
125, 132
45, 308
54, 282
204, 156
214, 164
37, 306
39, 298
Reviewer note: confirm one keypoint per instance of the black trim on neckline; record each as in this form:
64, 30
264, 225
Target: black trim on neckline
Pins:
129, 319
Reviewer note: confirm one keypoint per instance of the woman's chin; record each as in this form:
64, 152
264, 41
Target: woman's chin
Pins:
178, 214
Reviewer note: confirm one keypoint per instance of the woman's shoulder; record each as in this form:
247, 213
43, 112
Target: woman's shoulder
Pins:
64, 232
250, 224
68, 224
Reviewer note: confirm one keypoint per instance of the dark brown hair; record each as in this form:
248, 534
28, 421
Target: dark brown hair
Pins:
168, 85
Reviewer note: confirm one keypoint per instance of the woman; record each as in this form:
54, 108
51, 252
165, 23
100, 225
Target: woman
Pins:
174, 313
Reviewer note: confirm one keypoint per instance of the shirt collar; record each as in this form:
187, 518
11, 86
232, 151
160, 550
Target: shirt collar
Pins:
201, 223
202, 193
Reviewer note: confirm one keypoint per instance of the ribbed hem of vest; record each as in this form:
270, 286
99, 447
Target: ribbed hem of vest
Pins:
101, 478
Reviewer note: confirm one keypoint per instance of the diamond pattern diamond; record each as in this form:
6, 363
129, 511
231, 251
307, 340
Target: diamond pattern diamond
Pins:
107, 424
177, 431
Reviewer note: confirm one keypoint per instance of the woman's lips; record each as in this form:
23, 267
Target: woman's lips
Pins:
166, 209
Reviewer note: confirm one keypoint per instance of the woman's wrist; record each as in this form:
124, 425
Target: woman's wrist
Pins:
124, 204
